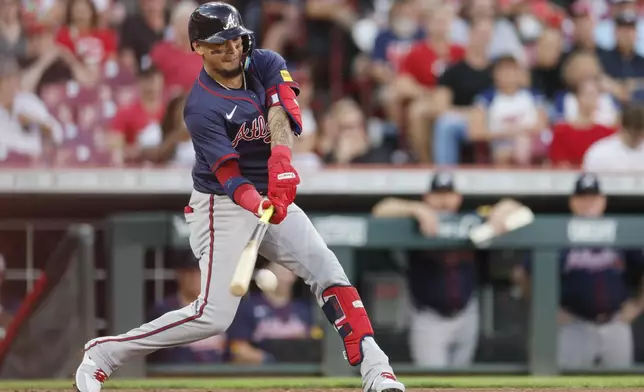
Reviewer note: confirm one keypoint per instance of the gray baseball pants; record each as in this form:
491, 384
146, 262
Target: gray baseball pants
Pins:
219, 230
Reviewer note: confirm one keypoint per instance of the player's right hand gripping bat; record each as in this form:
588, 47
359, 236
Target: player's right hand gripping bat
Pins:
246, 263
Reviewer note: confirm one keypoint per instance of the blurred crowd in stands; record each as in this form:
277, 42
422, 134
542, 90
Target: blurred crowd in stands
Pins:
504, 82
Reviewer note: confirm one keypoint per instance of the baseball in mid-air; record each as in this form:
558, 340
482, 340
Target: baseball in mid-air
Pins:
266, 280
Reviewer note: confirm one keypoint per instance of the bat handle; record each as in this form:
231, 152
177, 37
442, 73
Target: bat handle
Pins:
266, 216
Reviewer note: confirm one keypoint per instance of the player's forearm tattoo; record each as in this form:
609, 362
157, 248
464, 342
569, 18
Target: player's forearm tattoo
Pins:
280, 127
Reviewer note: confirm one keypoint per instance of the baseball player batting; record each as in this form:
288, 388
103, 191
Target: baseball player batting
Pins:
242, 115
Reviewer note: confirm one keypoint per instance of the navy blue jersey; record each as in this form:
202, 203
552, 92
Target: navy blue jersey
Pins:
444, 280
231, 124
593, 281
258, 321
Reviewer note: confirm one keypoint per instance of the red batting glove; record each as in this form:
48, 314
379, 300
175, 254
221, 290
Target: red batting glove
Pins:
279, 210
282, 177
247, 197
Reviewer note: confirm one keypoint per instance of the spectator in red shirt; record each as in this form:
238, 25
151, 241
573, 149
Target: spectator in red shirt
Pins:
419, 73
571, 139
83, 37
137, 126
427, 60
175, 148
179, 65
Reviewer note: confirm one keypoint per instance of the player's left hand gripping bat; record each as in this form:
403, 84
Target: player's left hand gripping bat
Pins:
246, 263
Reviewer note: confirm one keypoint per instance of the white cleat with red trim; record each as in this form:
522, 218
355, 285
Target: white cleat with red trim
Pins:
89, 377
386, 382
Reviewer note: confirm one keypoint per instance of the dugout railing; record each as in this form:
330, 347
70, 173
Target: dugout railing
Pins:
130, 234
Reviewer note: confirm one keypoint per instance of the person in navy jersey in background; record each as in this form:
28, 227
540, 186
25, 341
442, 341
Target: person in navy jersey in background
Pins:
264, 316
597, 303
209, 350
393, 43
443, 284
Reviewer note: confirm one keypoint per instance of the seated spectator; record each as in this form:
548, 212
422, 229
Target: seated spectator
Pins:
265, 316
456, 90
583, 30
26, 126
419, 72
532, 18
622, 64
83, 36
570, 140
582, 66
329, 25
623, 151
175, 146
508, 116
547, 64
209, 350
140, 31
13, 39
136, 126
345, 139
605, 30
505, 38
394, 42
49, 62
179, 65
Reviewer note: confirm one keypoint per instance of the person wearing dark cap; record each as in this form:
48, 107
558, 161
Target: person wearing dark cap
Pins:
623, 66
188, 280
605, 30
595, 309
443, 283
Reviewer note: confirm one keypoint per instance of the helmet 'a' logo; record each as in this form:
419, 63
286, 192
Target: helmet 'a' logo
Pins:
231, 22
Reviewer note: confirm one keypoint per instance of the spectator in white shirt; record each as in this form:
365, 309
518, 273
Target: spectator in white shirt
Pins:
26, 126
509, 117
580, 67
623, 151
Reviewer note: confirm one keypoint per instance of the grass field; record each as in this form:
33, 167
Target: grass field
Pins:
460, 383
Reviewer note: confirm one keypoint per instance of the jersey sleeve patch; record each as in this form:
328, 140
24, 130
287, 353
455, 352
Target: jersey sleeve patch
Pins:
286, 76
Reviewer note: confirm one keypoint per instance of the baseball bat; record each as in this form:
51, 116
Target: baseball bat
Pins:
246, 262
